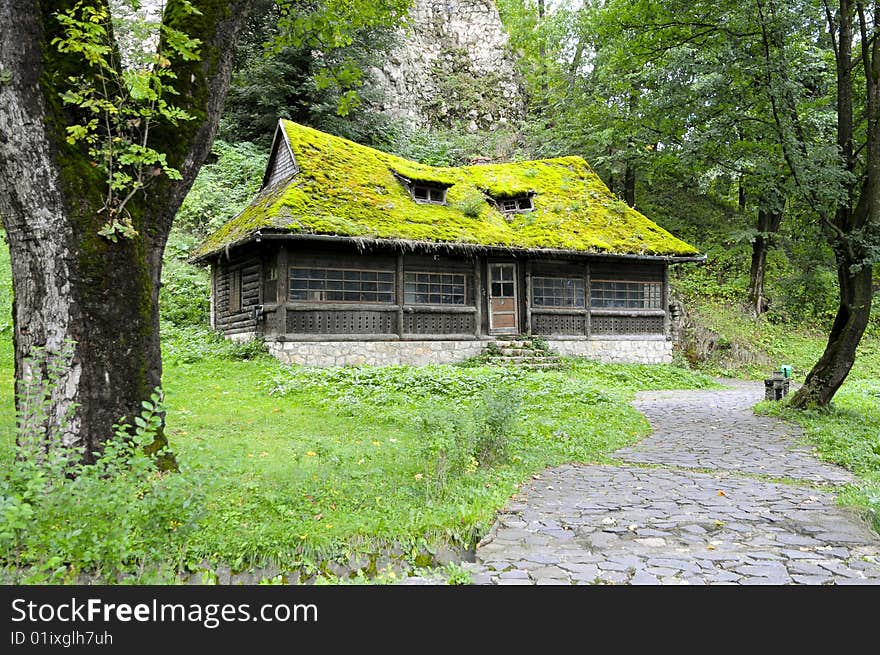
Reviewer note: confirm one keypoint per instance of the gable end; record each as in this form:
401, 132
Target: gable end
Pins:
282, 164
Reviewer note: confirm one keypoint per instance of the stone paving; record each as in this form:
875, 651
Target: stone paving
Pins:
716, 495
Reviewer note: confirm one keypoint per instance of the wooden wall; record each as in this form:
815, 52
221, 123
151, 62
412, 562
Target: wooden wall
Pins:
304, 320
241, 273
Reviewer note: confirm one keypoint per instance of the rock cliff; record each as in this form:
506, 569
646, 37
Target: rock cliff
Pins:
452, 64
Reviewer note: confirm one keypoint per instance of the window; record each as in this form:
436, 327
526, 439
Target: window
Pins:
516, 204
235, 290
429, 194
503, 285
627, 295
558, 291
341, 285
270, 284
434, 288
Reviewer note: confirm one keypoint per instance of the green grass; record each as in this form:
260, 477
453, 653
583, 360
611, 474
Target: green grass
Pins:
847, 433
740, 347
297, 466
311, 465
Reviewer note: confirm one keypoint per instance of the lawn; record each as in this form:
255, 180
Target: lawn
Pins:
298, 467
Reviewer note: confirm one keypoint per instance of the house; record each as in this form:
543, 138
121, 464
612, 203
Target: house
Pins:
349, 255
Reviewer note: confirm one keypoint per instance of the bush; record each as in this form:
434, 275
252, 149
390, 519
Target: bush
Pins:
120, 518
223, 188
190, 344
444, 448
472, 205
455, 443
185, 295
495, 419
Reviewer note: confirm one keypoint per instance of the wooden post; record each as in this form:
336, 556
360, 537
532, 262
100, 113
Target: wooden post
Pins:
527, 290
400, 296
478, 296
213, 308
283, 293
588, 328
664, 298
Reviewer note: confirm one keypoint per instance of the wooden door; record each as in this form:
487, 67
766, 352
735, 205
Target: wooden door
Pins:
503, 312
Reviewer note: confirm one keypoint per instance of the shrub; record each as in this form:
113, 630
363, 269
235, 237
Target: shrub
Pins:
495, 419
118, 518
190, 344
471, 205
444, 448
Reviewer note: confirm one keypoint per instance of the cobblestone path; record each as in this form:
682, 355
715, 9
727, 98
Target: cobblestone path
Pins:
716, 495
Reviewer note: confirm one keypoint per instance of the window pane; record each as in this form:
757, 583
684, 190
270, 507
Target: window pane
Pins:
340, 285
558, 292
434, 288
627, 295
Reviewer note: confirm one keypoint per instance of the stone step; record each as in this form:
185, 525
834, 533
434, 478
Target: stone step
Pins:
529, 365
521, 352
517, 344
522, 360
511, 344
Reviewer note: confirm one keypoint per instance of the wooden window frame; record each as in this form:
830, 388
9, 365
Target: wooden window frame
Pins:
464, 287
433, 195
515, 204
392, 294
235, 299
538, 281
651, 291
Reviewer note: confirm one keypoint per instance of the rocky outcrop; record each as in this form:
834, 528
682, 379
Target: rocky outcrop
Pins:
452, 65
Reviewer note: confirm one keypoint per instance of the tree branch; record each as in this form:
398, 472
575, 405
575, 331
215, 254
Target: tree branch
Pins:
201, 88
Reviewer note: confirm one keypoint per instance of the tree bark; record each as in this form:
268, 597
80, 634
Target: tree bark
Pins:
74, 289
854, 270
850, 322
768, 224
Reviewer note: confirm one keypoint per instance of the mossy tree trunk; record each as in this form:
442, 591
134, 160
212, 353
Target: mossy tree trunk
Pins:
74, 288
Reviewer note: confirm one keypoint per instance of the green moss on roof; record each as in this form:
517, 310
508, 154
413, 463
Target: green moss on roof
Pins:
347, 189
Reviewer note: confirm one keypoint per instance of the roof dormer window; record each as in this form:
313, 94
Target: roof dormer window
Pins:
422, 193
515, 204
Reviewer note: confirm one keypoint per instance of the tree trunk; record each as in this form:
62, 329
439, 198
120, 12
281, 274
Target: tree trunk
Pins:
629, 184
852, 253
768, 224
75, 290
853, 313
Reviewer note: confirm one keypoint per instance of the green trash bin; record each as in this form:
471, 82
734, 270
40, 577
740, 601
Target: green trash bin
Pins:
786, 370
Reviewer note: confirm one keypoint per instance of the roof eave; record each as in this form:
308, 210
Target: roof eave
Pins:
437, 245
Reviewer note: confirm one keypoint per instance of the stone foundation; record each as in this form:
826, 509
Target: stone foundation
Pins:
376, 353
617, 351
419, 353
241, 337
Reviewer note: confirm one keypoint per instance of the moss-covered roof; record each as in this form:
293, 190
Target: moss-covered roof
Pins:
350, 190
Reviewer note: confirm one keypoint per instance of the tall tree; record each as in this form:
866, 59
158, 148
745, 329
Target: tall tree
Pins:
91, 179
806, 81
852, 219
74, 286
